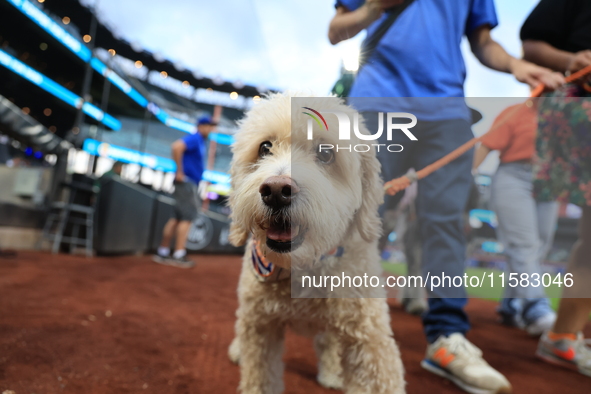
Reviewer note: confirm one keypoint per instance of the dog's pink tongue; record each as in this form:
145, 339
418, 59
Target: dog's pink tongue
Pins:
279, 234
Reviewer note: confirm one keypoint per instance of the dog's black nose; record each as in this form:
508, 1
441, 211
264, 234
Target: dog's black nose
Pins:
277, 191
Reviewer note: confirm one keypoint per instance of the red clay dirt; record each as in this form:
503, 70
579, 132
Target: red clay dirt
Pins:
69, 324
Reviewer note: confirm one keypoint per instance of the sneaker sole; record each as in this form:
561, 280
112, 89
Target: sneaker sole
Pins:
458, 382
551, 359
174, 263
159, 260
171, 262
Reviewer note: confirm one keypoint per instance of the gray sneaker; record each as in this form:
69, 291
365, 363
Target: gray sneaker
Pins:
570, 353
160, 258
457, 359
182, 262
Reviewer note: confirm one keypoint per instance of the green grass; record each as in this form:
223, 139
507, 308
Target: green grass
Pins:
488, 292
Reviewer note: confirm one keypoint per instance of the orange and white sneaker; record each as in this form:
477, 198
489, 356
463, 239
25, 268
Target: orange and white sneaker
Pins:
457, 359
567, 350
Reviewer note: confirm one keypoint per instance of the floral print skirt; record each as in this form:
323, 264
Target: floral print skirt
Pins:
563, 147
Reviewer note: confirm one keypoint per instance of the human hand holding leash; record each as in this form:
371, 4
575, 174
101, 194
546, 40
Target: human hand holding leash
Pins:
396, 185
579, 61
534, 75
346, 23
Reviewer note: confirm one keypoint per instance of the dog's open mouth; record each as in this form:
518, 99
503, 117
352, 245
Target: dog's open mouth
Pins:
283, 236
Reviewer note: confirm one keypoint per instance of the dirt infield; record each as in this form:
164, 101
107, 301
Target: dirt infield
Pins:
126, 325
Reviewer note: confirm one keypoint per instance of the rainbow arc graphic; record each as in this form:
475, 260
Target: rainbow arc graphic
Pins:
313, 116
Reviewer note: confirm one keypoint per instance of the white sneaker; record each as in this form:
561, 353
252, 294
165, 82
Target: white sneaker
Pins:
457, 359
541, 325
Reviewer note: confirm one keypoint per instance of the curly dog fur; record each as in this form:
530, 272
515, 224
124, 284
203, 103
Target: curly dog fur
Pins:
336, 205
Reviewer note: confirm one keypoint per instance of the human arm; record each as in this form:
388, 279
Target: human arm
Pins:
491, 54
178, 149
346, 23
550, 27
480, 155
500, 135
544, 54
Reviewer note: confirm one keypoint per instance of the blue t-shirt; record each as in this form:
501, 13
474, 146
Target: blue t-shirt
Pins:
193, 158
420, 55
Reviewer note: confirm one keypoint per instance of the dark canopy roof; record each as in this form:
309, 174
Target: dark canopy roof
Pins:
81, 16
23, 128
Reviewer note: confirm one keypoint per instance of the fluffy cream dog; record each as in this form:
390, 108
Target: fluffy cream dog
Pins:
292, 205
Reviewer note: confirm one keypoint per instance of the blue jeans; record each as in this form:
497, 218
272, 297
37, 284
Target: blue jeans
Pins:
441, 201
526, 229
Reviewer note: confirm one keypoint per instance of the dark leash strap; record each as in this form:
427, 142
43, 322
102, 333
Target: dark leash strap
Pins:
371, 42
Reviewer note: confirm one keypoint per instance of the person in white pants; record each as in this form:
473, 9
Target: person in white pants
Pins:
525, 226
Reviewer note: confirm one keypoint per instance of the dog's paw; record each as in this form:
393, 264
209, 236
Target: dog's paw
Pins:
234, 351
330, 380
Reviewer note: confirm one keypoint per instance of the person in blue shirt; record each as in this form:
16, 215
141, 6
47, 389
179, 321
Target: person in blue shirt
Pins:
189, 156
418, 67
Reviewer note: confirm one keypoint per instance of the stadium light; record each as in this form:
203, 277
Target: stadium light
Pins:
66, 20
56, 90
86, 38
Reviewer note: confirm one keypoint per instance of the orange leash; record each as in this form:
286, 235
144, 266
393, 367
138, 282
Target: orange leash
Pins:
396, 185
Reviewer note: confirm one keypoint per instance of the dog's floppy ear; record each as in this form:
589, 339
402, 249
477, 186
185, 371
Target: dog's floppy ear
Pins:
238, 235
367, 217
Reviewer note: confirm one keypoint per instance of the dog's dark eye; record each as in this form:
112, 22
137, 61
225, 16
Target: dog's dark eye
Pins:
265, 149
325, 156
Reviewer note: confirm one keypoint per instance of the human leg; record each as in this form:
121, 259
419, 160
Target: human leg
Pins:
442, 199
518, 229
538, 311
547, 213
186, 210
573, 313
163, 251
168, 232
565, 345
413, 298
182, 232
393, 164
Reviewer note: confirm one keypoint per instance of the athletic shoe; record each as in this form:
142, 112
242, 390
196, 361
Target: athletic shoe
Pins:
160, 258
571, 353
541, 324
510, 310
457, 359
181, 262
414, 300
535, 316
415, 306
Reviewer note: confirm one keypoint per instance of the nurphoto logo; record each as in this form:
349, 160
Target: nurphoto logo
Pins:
345, 129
